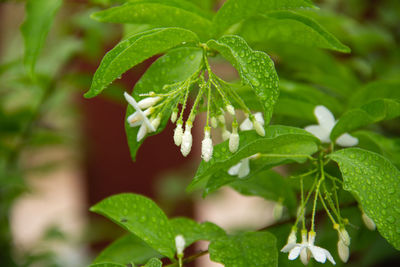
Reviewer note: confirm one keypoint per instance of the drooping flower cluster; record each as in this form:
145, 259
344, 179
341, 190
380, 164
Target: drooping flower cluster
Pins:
215, 94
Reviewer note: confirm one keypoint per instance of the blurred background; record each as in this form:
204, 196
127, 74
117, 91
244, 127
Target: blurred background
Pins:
61, 153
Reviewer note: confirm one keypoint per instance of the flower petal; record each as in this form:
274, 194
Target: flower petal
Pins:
133, 102
234, 170
324, 117
288, 247
329, 256
295, 252
244, 168
141, 133
246, 125
319, 132
346, 140
318, 253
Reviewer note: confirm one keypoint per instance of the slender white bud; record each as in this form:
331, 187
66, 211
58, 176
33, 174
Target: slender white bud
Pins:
225, 134
343, 251
278, 211
178, 133
142, 132
206, 146
221, 119
187, 141
214, 122
174, 116
230, 109
180, 245
369, 223
259, 128
148, 102
156, 122
344, 236
234, 142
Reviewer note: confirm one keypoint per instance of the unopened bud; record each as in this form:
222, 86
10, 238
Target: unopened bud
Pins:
206, 146
221, 119
233, 142
174, 116
230, 109
214, 122
178, 133
156, 122
186, 140
344, 236
369, 223
225, 134
180, 245
343, 251
278, 211
142, 132
259, 128
292, 239
148, 102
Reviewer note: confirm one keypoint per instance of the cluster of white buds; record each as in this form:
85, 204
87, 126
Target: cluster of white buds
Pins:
143, 109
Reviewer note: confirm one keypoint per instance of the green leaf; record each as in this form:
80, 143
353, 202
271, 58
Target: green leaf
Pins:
373, 112
181, 63
246, 249
269, 185
154, 263
160, 13
376, 184
107, 264
142, 217
234, 11
193, 231
388, 147
127, 249
288, 27
389, 89
255, 68
39, 17
280, 143
134, 50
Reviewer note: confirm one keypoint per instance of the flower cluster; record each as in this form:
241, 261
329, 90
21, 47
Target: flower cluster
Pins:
215, 94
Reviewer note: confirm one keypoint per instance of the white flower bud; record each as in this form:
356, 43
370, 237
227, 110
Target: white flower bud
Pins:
206, 146
343, 251
225, 134
142, 132
214, 122
344, 236
230, 109
234, 142
278, 211
148, 102
259, 128
186, 141
178, 133
180, 245
304, 255
221, 119
369, 223
174, 116
156, 122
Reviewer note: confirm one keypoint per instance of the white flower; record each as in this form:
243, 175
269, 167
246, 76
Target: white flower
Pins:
206, 146
140, 117
248, 125
326, 122
186, 140
369, 223
180, 244
306, 250
241, 169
